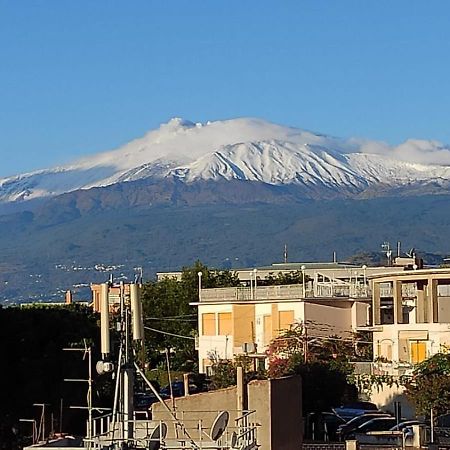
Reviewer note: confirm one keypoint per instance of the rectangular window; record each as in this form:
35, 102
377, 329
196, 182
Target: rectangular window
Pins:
225, 324
209, 324
286, 319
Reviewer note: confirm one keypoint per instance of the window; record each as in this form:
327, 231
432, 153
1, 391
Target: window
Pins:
286, 319
208, 324
225, 324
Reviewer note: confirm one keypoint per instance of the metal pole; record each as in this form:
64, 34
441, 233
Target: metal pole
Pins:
303, 280
200, 286
170, 379
90, 393
432, 424
306, 344
240, 389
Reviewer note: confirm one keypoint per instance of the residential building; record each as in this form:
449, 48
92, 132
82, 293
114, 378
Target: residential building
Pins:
243, 320
410, 314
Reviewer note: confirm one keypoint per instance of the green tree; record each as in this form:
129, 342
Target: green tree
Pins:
429, 387
324, 365
170, 318
295, 277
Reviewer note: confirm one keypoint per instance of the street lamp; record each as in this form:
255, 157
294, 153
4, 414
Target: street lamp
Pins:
254, 273
303, 280
200, 286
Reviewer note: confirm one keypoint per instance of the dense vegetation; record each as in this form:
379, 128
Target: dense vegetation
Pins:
55, 250
34, 364
429, 387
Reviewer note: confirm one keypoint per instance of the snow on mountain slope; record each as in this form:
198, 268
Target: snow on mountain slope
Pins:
278, 162
246, 149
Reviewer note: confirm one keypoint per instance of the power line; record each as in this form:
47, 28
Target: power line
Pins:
170, 334
172, 319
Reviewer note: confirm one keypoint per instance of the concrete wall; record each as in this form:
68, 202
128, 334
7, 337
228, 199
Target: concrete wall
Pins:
327, 320
277, 404
278, 408
198, 408
385, 397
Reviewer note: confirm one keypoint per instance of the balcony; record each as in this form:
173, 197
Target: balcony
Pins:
285, 292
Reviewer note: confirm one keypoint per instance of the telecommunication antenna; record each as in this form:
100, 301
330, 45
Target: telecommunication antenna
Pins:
131, 328
386, 246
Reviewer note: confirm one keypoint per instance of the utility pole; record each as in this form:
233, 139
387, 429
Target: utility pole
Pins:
305, 343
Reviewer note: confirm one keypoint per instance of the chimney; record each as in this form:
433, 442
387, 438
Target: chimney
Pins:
68, 297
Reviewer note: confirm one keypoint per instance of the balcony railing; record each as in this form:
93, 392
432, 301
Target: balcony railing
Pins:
284, 292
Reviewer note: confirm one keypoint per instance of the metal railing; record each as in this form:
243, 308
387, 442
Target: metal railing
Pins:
285, 292
187, 432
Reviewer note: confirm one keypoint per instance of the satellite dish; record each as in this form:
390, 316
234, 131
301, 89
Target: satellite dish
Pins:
160, 432
234, 439
219, 425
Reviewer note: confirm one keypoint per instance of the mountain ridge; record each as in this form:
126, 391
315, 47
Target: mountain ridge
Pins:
245, 149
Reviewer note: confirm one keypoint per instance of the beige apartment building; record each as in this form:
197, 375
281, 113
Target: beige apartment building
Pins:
410, 315
334, 300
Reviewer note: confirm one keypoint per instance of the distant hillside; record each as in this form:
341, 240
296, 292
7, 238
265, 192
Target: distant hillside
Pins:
82, 237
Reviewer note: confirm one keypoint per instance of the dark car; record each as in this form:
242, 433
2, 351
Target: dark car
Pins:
349, 427
143, 400
322, 426
407, 424
375, 424
354, 409
178, 389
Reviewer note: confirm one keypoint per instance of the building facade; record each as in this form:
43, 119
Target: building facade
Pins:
244, 320
410, 315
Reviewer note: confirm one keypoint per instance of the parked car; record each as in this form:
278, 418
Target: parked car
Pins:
178, 389
322, 426
350, 426
354, 409
442, 421
406, 424
143, 400
375, 424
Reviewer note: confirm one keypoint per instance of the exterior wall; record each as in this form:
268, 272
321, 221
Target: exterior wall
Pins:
114, 296
400, 337
221, 346
360, 315
411, 314
260, 322
325, 320
243, 319
202, 407
277, 405
384, 398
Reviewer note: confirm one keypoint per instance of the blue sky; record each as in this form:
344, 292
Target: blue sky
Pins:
78, 77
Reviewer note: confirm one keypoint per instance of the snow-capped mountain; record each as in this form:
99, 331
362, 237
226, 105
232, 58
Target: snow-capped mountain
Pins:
243, 149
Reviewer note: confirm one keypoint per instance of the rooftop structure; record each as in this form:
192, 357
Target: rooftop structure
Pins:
410, 314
